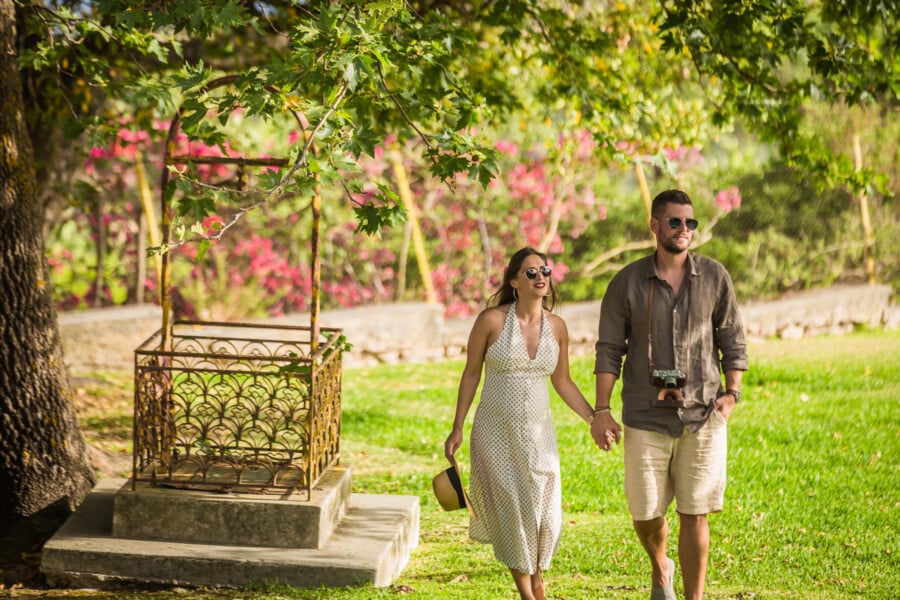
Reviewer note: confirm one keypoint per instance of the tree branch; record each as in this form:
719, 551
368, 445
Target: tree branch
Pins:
278, 189
593, 268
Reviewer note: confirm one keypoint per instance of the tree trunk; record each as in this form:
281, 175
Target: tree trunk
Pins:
44, 465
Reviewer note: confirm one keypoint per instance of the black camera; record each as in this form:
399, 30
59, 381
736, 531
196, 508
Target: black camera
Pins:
669, 383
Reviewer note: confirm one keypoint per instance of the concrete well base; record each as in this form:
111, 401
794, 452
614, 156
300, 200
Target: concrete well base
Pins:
284, 521
371, 544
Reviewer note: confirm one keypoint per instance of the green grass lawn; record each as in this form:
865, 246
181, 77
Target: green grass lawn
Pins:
812, 508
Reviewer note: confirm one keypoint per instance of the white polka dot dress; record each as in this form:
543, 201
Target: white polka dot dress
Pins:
514, 484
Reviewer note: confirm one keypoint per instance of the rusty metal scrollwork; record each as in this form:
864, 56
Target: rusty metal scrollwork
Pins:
236, 406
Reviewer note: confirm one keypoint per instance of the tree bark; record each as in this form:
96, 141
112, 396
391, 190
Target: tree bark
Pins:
44, 464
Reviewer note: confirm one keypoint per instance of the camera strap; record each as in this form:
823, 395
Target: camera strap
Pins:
650, 327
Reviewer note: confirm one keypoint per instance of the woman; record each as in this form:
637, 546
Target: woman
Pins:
514, 484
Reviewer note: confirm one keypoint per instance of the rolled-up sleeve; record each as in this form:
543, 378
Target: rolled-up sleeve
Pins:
729, 328
612, 341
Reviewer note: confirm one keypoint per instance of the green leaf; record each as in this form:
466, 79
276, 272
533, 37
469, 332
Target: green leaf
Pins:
193, 112
372, 218
196, 207
203, 247
364, 141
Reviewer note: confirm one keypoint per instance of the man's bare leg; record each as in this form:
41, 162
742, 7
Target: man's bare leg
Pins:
653, 535
693, 554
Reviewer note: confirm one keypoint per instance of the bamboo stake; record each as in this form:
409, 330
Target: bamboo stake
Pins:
141, 243
645, 191
401, 267
863, 198
100, 251
418, 241
149, 215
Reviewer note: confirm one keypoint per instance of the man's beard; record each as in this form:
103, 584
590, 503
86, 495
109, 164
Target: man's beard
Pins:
671, 247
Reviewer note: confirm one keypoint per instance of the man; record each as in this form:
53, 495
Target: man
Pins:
673, 317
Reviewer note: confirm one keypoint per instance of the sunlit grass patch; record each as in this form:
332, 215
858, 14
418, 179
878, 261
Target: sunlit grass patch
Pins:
812, 508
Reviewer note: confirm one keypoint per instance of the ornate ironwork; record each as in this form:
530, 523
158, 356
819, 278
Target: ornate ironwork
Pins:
237, 406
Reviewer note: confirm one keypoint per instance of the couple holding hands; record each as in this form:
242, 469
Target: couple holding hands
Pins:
672, 316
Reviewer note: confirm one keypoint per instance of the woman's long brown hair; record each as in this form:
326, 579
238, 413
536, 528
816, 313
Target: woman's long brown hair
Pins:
506, 293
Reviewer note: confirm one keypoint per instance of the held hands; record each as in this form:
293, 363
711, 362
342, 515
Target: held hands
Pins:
605, 431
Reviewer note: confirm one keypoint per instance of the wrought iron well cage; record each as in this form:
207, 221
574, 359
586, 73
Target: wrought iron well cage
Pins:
236, 406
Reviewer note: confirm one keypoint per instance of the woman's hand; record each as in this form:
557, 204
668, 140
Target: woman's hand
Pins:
454, 441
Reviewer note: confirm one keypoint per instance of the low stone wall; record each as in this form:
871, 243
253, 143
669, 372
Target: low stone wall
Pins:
417, 332
837, 309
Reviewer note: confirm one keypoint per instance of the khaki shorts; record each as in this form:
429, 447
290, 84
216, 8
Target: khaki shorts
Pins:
691, 469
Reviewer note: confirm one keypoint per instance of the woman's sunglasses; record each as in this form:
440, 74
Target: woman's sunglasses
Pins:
675, 223
531, 272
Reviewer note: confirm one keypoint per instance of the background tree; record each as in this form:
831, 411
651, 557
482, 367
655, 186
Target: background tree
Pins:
44, 469
772, 60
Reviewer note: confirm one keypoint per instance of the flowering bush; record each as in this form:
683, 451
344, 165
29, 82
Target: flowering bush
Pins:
546, 197
252, 277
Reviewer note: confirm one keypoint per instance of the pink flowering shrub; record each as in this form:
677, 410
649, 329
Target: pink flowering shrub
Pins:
253, 277
729, 199
544, 196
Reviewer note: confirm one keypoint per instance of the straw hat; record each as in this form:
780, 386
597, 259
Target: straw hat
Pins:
449, 490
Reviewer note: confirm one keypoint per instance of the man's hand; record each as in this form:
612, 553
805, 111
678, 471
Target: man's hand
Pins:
725, 405
605, 430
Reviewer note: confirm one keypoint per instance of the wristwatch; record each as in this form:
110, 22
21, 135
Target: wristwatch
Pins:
736, 394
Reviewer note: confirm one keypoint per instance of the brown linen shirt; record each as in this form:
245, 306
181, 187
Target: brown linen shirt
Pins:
699, 332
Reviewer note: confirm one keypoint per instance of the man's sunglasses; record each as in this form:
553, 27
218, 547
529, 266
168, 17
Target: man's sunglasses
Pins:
675, 223
531, 272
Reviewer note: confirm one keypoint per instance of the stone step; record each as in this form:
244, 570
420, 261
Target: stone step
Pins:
203, 517
371, 544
